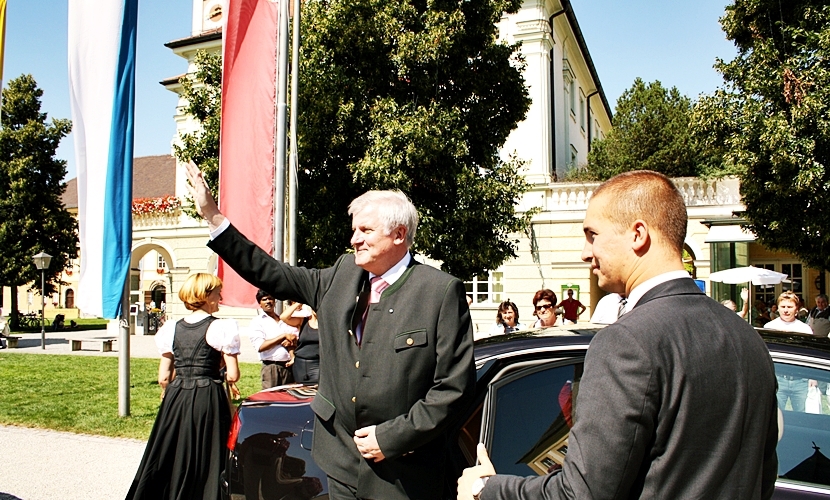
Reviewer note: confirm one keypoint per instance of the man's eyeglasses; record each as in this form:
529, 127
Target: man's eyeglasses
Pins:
542, 307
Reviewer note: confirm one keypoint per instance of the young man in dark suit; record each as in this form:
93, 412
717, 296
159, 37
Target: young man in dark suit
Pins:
677, 399
396, 347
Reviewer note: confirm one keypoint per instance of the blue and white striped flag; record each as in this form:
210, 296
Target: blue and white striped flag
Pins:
102, 92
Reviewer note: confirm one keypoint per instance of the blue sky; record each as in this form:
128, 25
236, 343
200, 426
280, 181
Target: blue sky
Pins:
674, 42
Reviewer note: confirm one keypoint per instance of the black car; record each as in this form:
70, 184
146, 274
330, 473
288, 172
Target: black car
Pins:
525, 390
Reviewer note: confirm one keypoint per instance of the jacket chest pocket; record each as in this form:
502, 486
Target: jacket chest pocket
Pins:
410, 339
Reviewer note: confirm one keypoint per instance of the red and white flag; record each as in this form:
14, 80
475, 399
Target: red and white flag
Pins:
247, 147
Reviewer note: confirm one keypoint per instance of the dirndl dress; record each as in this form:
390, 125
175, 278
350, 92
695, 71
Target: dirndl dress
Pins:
187, 449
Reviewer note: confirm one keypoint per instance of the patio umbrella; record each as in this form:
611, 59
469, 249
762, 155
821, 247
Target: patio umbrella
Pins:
750, 274
755, 275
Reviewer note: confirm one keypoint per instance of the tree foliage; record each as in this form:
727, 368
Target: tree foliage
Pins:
202, 91
651, 131
416, 96
771, 121
401, 94
32, 216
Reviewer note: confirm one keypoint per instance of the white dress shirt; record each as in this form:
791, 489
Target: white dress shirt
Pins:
264, 327
647, 285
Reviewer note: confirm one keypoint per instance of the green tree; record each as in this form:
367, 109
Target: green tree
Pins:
770, 122
651, 131
399, 95
32, 217
416, 96
202, 91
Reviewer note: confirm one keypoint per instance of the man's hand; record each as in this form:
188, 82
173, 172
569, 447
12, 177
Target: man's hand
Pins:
205, 204
367, 444
485, 469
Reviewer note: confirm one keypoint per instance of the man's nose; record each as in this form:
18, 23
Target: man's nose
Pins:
587, 255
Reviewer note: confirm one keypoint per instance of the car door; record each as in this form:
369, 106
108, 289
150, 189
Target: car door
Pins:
804, 440
530, 407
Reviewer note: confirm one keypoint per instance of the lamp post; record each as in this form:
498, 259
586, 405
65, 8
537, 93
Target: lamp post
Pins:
42, 261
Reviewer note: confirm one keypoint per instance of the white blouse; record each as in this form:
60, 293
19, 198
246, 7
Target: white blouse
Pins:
222, 334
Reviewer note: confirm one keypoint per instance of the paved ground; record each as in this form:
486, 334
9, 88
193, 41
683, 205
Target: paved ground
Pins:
50, 465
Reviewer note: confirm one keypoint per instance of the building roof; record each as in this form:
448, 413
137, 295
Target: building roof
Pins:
583, 46
153, 177
207, 36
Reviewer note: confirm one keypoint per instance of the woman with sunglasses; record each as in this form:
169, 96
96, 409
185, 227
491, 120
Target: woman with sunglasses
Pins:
543, 308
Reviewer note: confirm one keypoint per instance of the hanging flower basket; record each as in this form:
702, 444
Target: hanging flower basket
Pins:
160, 270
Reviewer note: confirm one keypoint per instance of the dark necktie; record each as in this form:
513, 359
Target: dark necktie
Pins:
621, 309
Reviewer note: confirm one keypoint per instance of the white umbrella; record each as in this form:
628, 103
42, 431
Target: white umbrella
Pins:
755, 275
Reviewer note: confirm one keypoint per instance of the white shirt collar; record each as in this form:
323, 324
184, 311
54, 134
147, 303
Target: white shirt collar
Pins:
647, 285
396, 271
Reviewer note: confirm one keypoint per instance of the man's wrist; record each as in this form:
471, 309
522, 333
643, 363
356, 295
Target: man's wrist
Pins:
478, 486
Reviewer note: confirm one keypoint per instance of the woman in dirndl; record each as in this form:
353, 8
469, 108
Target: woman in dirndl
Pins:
187, 449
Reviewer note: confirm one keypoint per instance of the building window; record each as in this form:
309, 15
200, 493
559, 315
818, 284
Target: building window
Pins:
162, 264
69, 299
596, 130
486, 288
582, 110
574, 157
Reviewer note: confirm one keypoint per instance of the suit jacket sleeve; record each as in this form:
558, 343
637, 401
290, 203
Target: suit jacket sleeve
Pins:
258, 268
615, 415
452, 385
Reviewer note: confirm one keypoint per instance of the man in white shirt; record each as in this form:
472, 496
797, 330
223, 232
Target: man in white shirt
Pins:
272, 338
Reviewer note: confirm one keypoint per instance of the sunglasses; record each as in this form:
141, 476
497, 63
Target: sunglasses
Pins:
543, 307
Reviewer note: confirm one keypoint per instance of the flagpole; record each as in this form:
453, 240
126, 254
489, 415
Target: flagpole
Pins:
124, 352
293, 163
280, 139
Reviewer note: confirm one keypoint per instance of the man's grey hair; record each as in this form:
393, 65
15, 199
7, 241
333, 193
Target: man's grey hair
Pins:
822, 296
392, 207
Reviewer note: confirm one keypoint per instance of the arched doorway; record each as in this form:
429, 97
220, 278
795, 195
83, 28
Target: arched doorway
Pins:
69, 299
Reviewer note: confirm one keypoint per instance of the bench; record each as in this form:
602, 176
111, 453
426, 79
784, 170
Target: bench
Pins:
106, 343
11, 342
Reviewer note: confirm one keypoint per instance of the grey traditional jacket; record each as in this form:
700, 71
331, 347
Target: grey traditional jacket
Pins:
411, 375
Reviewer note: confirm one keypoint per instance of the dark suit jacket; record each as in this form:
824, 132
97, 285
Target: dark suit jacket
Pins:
677, 401
412, 374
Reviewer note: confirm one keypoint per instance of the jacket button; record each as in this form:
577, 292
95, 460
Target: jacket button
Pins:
354, 399
391, 311
357, 364
409, 341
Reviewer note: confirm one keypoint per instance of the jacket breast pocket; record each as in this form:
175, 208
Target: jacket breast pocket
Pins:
408, 340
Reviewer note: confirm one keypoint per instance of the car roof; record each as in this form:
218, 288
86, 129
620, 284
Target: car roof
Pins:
579, 336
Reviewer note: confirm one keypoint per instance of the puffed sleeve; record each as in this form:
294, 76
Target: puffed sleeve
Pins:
164, 337
223, 335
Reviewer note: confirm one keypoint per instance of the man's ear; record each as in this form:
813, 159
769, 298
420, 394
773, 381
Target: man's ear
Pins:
641, 237
399, 233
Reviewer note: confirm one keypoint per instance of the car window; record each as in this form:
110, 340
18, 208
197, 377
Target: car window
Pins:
804, 401
531, 412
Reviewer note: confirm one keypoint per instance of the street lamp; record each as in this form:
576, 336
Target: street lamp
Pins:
42, 261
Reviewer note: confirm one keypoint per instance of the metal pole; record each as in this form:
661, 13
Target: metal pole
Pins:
279, 161
292, 185
42, 309
124, 352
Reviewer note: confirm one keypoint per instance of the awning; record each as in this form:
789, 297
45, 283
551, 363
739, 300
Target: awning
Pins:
728, 234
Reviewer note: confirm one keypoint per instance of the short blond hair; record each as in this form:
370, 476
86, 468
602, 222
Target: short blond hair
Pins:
788, 295
650, 196
196, 288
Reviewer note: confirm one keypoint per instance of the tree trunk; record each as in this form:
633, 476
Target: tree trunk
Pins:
14, 316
